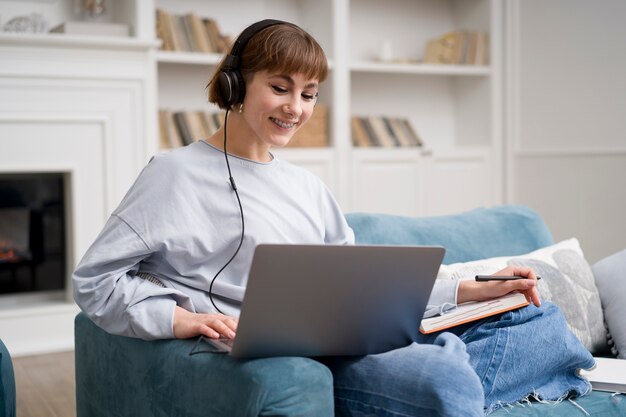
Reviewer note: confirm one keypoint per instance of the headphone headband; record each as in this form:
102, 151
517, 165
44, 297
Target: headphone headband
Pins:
233, 59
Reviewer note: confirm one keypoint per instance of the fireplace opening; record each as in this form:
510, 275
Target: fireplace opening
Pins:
33, 250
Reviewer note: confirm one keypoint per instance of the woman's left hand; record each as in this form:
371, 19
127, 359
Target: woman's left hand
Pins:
470, 290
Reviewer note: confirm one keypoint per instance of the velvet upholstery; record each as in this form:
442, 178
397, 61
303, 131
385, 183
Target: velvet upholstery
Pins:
122, 376
7, 383
119, 376
477, 234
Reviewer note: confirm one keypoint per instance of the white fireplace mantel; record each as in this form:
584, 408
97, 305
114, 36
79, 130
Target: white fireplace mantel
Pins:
85, 110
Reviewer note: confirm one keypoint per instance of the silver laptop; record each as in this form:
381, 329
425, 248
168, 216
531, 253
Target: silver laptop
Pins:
331, 300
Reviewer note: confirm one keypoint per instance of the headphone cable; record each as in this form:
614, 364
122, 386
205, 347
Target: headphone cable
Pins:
234, 187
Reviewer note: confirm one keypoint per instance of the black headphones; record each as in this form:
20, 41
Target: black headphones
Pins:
231, 84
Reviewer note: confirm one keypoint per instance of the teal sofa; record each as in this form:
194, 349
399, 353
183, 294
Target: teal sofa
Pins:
7, 383
119, 376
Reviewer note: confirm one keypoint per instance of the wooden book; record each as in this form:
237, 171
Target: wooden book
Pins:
359, 135
373, 139
411, 133
392, 134
177, 32
471, 51
173, 134
200, 36
203, 119
164, 142
185, 24
399, 132
213, 32
194, 124
183, 129
163, 30
378, 126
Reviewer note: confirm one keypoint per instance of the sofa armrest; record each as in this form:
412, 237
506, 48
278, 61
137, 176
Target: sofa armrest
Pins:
7, 383
122, 376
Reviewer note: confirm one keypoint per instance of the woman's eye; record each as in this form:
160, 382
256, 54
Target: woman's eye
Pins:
309, 97
279, 89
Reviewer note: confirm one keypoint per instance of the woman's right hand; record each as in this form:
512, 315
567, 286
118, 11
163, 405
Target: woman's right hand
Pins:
187, 324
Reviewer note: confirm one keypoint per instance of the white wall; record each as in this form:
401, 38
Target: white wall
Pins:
566, 131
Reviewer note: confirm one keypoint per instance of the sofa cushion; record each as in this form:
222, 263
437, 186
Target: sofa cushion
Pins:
567, 281
610, 277
477, 234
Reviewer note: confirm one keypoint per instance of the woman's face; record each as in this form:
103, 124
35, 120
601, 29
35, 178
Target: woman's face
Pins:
277, 105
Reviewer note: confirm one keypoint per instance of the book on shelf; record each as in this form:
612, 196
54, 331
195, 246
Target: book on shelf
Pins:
189, 33
169, 133
609, 374
385, 137
382, 131
164, 31
359, 135
219, 42
458, 48
193, 123
474, 310
186, 35
199, 33
185, 127
373, 139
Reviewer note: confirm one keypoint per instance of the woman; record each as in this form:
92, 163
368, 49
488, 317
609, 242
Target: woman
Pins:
172, 259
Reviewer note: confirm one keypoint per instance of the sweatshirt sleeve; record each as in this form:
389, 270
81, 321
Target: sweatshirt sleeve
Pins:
443, 298
107, 289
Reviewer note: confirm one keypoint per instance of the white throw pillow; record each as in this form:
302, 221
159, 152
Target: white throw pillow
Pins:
566, 280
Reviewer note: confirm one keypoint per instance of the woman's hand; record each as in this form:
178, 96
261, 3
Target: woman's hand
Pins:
470, 290
187, 324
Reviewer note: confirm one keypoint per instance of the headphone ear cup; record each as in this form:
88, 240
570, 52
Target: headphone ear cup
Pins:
232, 87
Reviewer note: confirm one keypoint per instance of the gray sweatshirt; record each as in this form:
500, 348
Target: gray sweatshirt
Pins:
180, 223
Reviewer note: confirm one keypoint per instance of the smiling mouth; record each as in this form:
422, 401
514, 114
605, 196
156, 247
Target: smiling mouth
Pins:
282, 124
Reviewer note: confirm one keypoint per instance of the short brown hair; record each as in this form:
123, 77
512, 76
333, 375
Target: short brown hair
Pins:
281, 48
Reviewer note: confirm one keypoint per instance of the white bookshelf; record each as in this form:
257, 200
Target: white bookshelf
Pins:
455, 108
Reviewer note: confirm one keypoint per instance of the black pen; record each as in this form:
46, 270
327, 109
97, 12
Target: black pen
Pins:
482, 278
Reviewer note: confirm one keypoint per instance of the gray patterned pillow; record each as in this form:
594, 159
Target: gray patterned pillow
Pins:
610, 278
567, 281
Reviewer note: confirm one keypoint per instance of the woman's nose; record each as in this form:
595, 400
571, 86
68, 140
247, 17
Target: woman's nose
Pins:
293, 108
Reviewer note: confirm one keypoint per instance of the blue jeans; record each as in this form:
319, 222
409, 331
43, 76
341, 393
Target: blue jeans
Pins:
419, 380
526, 352
485, 365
